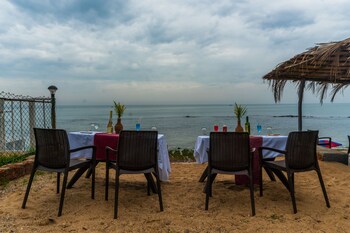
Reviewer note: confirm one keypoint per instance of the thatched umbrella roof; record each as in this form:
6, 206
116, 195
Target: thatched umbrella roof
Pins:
323, 66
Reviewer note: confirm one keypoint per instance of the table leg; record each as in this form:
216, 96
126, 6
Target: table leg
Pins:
151, 182
281, 176
89, 172
204, 175
76, 176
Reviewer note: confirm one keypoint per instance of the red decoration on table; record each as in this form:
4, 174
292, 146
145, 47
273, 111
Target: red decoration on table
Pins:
101, 140
255, 142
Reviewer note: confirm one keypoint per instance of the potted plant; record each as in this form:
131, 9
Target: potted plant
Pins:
239, 112
119, 110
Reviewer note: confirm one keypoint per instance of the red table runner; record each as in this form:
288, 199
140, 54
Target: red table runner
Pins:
101, 140
255, 142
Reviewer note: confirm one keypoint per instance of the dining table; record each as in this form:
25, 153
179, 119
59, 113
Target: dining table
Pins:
101, 140
256, 141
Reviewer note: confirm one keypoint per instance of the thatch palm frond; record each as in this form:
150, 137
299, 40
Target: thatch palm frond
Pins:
319, 66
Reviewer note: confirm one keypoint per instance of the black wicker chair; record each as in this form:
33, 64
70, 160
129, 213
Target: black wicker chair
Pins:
229, 153
53, 155
136, 154
300, 156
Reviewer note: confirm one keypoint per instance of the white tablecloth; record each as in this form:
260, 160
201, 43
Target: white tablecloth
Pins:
79, 139
202, 144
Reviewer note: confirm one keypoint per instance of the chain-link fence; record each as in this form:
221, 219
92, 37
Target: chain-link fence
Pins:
18, 116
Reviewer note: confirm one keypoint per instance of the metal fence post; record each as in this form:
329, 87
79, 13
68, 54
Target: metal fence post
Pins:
32, 123
2, 126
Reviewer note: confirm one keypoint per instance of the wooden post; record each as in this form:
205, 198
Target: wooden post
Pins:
300, 104
2, 126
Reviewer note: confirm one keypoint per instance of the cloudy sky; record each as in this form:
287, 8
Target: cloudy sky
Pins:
160, 51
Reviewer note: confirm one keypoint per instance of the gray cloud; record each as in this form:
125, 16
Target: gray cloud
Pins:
171, 50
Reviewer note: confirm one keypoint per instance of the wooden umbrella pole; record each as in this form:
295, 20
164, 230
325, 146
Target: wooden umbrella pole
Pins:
300, 104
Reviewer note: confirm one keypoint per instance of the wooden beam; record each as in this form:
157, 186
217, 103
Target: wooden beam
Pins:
300, 103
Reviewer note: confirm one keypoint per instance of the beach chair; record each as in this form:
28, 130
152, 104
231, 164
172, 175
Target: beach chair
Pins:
52, 154
300, 156
229, 153
136, 154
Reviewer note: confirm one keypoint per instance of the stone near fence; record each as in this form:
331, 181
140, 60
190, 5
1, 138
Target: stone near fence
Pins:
13, 171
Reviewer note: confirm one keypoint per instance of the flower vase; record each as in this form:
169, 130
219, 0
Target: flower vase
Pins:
239, 128
118, 126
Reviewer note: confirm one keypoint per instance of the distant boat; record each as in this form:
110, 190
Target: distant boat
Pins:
325, 143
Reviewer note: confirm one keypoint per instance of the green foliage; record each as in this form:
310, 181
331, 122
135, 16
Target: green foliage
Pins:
181, 155
239, 111
119, 109
13, 158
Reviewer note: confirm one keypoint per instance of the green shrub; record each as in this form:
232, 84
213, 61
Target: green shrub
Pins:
13, 158
183, 155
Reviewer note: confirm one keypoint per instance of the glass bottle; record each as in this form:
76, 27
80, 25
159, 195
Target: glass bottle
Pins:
247, 125
110, 123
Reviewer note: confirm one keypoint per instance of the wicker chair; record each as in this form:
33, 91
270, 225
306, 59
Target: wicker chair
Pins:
300, 156
53, 155
229, 153
136, 154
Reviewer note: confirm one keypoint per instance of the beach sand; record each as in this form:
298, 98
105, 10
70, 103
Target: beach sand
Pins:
229, 208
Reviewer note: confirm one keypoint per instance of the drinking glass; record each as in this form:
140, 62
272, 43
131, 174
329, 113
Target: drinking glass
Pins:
216, 128
258, 128
269, 130
93, 126
224, 128
138, 126
204, 131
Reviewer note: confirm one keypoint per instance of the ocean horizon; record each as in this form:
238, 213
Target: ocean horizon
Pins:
181, 124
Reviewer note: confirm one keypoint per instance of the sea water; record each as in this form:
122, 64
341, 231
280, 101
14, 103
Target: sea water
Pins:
181, 124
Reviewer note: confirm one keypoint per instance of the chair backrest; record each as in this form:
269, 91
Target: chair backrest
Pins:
349, 144
137, 150
229, 151
52, 148
301, 150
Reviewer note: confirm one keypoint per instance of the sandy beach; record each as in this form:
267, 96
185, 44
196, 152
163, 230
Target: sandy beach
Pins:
229, 208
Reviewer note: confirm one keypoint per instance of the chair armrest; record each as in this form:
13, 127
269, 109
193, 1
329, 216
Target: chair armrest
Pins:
82, 148
272, 149
108, 149
329, 138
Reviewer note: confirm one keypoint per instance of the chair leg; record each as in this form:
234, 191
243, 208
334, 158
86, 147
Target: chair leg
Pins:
291, 190
208, 191
251, 186
58, 181
159, 192
212, 178
64, 185
323, 188
107, 181
116, 194
28, 187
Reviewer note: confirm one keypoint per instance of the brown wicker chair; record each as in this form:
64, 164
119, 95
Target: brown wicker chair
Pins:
229, 153
53, 155
136, 154
300, 156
